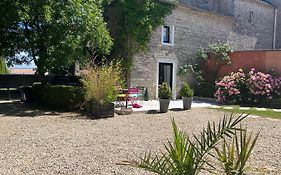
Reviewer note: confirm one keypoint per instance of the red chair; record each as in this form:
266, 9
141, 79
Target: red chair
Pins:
133, 96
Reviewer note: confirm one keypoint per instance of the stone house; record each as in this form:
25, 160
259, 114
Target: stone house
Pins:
244, 24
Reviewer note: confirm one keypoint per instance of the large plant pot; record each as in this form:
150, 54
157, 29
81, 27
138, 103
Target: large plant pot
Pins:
187, 101
164, 105
101, 110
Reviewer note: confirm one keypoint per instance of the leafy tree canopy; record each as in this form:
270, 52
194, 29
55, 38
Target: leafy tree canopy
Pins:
3, 67
53, 33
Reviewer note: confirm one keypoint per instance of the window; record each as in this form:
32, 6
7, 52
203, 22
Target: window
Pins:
167, 35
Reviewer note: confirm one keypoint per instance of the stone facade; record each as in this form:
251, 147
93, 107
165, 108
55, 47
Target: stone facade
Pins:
224, 7
277, 6
249, 25
253, 26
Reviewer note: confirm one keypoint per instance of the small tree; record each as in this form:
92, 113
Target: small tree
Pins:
53, 33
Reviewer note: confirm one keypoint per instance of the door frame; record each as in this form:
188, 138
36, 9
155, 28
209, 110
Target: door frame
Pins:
174, 84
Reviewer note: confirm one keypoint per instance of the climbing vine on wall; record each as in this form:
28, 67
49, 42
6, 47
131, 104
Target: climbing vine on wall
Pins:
137, 19
219, 52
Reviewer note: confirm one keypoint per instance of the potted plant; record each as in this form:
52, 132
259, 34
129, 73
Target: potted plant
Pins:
100, 83
186, 93
165, 94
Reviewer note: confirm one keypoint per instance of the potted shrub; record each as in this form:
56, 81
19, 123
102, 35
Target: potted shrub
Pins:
100, 83
186, 93
165, 94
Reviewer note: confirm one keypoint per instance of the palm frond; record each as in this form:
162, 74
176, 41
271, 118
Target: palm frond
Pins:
233, 157
186, 157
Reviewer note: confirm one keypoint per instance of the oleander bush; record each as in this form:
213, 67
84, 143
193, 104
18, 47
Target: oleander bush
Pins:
248, 88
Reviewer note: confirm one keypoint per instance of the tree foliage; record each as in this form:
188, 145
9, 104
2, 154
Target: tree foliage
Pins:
53, 33
3, 67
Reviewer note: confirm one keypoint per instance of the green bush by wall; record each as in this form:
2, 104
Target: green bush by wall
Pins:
58, 96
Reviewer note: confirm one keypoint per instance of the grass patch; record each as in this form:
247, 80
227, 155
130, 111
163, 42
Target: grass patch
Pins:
269, 113
6, 89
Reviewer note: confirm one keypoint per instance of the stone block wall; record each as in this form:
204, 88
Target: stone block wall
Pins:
223, 7
195, 28
253, 26
277, 4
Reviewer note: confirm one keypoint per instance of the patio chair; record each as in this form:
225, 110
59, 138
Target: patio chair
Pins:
141, 93
134, 96
121, 98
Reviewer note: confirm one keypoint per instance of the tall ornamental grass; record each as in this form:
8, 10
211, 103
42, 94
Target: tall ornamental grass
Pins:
102, 82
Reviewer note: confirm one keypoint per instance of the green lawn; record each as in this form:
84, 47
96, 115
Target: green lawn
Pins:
269, 113
5, 89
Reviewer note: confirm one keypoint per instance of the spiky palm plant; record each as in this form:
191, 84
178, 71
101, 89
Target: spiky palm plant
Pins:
185, 156
233, 157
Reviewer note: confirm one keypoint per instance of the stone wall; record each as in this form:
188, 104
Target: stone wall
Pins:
193, 29
224, 7
253, 26
277, 4
196, 28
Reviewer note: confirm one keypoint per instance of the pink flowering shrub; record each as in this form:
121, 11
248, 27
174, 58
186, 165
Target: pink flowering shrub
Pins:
260, 85
253, 87
276, 84
229, 87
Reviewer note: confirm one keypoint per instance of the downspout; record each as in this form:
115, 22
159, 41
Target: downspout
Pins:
274, 28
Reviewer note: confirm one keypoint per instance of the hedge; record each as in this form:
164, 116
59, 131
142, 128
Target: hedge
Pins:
58, 96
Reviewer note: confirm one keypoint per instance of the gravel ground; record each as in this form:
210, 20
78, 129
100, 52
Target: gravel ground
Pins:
41, 142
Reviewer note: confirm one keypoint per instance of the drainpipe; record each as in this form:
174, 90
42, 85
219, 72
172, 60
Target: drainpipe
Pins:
274, 28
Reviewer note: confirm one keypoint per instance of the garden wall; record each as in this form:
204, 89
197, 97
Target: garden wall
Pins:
261, 60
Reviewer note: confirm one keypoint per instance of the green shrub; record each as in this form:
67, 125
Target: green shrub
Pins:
101, 82
165, 91
58, 95
275, 103
186, 91
233, 156
38, 90
205, 90
204, 77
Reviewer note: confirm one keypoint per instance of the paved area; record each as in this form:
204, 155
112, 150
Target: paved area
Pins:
153, 105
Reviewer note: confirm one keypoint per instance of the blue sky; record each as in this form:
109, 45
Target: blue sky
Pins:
31, 65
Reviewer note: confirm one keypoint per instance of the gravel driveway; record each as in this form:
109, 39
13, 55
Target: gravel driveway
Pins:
40, 142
